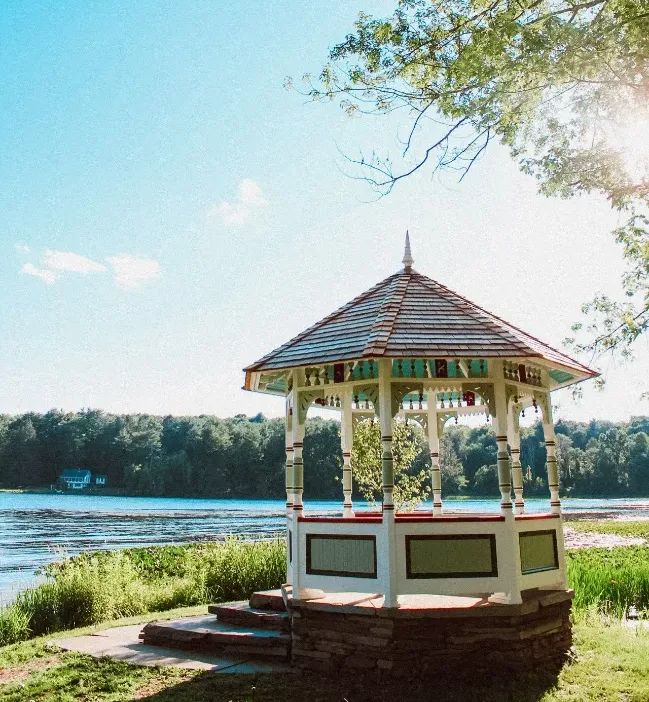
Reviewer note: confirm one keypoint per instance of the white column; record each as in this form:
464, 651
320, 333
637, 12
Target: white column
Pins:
504, 480
433, 444
298, 467
347, 441
389, 570
515, 445
508, 546
551, 461
298, 482
289, 457
289, 488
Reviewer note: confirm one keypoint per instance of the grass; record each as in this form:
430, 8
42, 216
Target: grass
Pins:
610, 579
609, 663
97, 587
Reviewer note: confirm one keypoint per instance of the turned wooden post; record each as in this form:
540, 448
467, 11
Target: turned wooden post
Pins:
433, 444
289, 455
386, 420
500, 421
347, 441
514, 435
298, 419
509, 557
551, 450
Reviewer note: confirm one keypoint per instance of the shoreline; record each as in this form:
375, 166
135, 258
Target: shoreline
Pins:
120, 492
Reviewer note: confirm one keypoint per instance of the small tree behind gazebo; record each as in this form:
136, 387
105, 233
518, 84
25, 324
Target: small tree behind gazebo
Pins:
411, 487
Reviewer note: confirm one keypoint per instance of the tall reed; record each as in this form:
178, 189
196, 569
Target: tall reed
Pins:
610, 579
100, 586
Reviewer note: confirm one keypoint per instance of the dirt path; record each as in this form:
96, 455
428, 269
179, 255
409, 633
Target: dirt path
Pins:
19, 673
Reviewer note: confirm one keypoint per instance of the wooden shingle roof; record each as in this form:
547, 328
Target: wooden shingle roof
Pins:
408, 315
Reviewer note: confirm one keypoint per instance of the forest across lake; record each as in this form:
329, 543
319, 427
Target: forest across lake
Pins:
244, 457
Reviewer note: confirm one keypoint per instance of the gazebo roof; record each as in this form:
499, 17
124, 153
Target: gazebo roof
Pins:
408, 315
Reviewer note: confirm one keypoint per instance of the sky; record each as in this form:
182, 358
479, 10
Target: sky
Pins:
169, 212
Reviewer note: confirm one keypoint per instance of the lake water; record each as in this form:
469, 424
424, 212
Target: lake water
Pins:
38, 529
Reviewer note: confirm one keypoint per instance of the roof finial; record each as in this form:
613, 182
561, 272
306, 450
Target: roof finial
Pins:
407, 256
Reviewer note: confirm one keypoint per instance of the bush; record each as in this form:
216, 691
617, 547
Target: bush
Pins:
104, 585
84, 592
14, 625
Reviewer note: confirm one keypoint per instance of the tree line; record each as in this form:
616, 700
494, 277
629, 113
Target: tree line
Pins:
244, 456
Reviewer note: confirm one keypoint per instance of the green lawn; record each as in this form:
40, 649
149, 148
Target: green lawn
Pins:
610, 663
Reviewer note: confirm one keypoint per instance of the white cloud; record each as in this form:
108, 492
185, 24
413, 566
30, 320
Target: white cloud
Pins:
74, 263
236, 213
132, 272
22, 249
48, 276
250, 193
233, 214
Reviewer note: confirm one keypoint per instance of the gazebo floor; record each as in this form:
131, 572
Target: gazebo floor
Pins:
427, 633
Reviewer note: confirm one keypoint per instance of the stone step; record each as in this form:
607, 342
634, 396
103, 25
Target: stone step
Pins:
242, 614
207, 635
268, 600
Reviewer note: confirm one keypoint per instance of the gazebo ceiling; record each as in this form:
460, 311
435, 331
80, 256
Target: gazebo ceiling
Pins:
408, 315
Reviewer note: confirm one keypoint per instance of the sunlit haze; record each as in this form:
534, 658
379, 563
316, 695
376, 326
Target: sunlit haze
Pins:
169, 213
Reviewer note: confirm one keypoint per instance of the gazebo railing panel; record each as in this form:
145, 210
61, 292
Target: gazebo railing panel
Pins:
449, 556
462, 554
543, 560
342, 555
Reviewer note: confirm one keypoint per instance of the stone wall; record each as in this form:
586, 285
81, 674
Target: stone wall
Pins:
499, 638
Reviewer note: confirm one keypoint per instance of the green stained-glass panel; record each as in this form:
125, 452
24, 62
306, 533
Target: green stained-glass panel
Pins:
561, 376
278, 385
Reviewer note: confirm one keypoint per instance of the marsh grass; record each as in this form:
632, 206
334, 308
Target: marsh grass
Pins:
611, 579
96, 587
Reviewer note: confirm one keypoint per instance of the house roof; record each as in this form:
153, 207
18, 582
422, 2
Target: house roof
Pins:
75, 474
408, 315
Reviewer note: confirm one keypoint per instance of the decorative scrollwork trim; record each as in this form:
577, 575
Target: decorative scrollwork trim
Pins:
305, 400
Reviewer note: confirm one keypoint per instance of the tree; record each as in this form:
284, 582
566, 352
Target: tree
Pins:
322, 459
451, 469
563, 84
609, 453
638, 463
485, 481
22, 459
410, 487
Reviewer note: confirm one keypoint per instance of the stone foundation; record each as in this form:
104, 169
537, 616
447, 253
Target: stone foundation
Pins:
478, 639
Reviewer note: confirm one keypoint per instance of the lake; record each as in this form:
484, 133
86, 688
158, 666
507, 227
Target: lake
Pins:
38, 529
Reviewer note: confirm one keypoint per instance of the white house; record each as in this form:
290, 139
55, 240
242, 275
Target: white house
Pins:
76, 479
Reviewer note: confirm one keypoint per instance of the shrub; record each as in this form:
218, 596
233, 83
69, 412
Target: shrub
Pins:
14, 625
95, 587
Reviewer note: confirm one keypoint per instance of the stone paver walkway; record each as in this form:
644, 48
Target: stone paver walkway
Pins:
123, 643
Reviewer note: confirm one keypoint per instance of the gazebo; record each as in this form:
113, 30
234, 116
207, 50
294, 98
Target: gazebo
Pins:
425, 591
449, 587
410, 347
